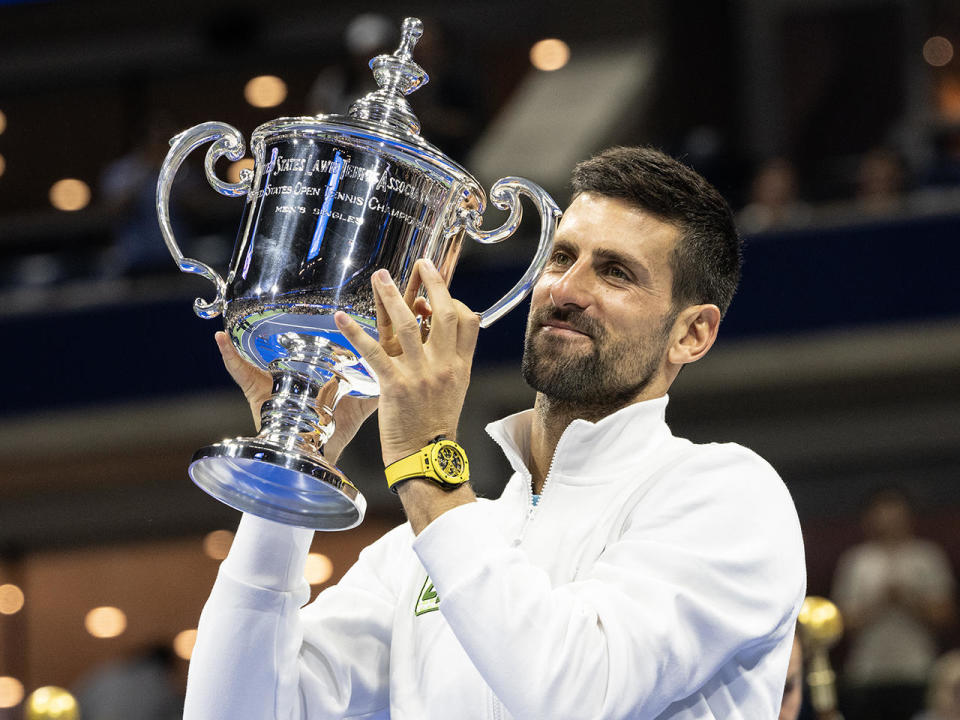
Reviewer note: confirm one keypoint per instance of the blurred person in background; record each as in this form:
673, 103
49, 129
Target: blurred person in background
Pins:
943, 695
128, 193
880, 182
339, 84
896, 593
774, 198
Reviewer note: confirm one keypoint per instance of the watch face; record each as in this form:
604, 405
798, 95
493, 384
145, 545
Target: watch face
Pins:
450, 461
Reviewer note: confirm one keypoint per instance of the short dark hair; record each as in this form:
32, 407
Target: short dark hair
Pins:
706, 261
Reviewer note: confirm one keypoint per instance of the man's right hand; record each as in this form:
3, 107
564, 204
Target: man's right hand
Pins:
257, 386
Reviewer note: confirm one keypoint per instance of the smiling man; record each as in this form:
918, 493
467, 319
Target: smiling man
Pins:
623, 573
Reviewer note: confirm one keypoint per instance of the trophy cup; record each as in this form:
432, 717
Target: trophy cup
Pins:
330, 200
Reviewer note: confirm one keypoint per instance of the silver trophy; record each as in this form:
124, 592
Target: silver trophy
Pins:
331, 199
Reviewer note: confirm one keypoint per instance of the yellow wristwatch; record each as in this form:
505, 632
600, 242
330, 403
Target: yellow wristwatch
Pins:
442, 461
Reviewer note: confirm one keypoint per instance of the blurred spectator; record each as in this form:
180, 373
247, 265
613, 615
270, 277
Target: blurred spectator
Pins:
445, 106
896, 594
774, 199
338, 85
140, 688
128, 190
945, 171
943, 695
880, 182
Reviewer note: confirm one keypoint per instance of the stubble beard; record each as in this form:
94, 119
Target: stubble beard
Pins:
597, 379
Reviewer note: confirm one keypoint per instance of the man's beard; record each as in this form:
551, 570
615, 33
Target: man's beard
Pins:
608, 376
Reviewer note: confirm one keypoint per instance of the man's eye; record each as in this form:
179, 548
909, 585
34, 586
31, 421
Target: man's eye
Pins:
560, 258
617, 272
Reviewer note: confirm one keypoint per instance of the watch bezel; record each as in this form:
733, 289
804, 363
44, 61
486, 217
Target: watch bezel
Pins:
439, 471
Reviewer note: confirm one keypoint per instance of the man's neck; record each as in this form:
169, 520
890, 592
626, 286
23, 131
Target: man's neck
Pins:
550, 419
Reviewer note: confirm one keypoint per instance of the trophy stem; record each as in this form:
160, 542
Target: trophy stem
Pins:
299, 414
281, 474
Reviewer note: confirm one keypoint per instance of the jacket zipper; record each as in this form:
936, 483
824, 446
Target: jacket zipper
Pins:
495, 704
531, 508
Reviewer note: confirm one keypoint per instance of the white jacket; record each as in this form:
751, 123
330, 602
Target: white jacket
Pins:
655, 579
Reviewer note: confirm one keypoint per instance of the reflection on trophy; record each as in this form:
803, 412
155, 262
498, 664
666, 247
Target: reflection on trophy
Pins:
330, 200
821, 627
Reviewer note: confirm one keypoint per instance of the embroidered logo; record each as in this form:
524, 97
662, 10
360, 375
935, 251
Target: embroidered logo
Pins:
428, 601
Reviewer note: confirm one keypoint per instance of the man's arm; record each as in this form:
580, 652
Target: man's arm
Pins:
259, 655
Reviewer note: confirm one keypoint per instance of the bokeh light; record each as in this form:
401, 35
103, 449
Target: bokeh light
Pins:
51, 703
549, 54
105, 622
265, 91
318, 569
11, 599
216, 544
183, 643
3, 122
70, 194
3, 165
11, 691
938, 51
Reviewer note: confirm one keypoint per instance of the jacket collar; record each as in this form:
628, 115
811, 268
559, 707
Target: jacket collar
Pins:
588, 452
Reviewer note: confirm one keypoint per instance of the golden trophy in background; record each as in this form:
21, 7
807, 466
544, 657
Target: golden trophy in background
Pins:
820, 627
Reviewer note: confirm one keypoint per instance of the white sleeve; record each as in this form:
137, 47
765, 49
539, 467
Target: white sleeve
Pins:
258, 655
711, 570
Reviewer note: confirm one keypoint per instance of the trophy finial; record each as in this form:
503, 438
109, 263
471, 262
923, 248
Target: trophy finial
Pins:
410, 32
397, 75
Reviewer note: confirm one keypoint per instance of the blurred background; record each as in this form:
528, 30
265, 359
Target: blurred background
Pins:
831, 126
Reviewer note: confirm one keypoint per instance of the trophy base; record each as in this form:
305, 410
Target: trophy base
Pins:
288, 487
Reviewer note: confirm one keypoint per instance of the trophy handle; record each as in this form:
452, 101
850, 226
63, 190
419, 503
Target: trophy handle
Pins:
228, 141
505, 194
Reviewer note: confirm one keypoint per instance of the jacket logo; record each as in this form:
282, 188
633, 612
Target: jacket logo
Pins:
428, 600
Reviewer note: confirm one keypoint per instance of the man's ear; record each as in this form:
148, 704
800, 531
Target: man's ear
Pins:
694, 332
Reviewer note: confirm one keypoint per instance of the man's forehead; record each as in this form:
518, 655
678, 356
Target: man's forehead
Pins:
614, 223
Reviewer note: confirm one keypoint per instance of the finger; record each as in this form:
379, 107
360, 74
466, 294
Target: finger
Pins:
413, 286
404, 323
443, 323
371, 350
422, 309
255, 383
384, 323
468, 328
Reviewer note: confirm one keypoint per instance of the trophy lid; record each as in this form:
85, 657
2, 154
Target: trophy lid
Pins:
397, 75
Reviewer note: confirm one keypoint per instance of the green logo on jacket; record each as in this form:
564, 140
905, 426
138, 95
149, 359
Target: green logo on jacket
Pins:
428, 601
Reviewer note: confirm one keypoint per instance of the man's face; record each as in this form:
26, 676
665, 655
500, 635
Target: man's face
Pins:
601, 313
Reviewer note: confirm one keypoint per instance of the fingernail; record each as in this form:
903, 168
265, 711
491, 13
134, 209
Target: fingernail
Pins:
429, 264
383, 276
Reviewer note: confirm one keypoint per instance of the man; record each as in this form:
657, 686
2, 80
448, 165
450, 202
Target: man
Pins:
655, 578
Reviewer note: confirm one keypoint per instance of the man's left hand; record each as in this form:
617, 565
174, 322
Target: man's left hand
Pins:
423, 387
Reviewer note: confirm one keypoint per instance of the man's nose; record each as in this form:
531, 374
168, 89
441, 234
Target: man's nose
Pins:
573, 288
